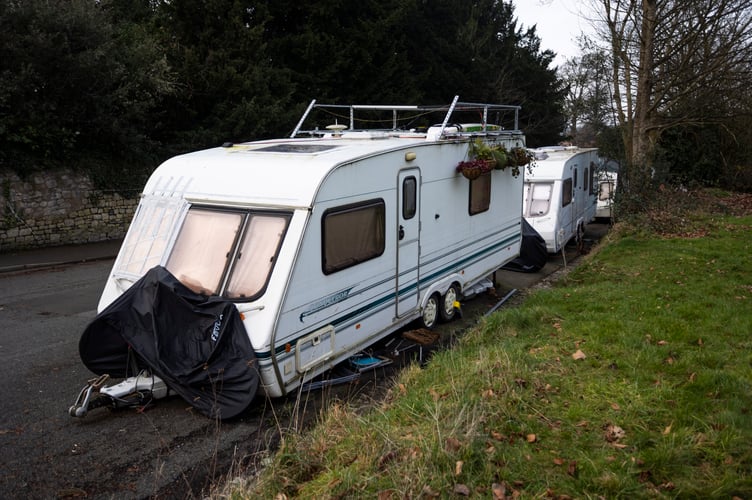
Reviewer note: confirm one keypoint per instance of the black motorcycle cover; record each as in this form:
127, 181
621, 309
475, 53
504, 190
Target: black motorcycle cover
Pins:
197, 345
533, 253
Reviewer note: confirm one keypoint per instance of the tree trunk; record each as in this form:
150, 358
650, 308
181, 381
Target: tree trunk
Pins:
643, 146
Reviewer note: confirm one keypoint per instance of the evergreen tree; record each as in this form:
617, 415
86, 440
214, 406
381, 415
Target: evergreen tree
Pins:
117, 79
72, 86
229, 88
398, 51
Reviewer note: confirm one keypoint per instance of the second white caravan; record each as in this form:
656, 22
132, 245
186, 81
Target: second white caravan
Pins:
324, 242
560, 193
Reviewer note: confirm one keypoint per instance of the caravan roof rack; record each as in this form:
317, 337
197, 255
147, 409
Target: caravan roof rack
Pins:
417, 111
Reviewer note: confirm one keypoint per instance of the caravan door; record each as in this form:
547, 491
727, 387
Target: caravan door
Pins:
408, 240
566, 210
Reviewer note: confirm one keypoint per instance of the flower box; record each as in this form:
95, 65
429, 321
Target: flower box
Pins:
472, 169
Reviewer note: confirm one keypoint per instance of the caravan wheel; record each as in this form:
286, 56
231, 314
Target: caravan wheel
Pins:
430, 312
447, 310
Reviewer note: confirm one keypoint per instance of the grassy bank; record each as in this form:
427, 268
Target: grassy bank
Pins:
629, 378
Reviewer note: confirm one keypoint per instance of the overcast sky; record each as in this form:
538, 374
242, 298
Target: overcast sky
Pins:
559, 22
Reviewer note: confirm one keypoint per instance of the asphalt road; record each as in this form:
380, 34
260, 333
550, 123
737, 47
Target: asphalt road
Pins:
167, 451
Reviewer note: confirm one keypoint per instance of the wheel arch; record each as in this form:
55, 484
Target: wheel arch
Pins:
442, 286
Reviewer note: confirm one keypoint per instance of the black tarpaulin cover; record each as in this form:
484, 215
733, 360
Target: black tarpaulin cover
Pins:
533, 253
197, 345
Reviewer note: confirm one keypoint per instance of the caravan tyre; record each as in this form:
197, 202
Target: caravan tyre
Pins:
447, 310
431, 312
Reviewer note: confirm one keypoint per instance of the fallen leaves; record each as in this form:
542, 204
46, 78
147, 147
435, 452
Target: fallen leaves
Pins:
436, 396
578, 355
452, 444
572, 468
498, 436
461, 489
499, 491
386, 459
430, 492
571, 465
613, 433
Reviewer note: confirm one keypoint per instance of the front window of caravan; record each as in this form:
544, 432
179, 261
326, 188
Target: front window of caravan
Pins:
538, 198
256, 256
227, 252
202, 249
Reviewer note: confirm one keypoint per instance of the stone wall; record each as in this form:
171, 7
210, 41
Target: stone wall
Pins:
59, 208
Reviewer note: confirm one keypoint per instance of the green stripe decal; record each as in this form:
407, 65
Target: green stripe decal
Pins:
390, 298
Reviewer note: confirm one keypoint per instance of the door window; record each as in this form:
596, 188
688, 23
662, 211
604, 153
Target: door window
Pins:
409, 197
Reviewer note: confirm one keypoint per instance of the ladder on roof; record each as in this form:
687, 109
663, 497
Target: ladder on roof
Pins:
455, 106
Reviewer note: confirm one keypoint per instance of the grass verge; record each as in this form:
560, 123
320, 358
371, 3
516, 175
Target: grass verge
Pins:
629, 378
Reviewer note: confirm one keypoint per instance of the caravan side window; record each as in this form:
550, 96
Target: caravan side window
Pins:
566, 192
480, 194
586, 180
352, 234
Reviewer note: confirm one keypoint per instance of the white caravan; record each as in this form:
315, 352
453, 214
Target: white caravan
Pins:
333, 238
560, 193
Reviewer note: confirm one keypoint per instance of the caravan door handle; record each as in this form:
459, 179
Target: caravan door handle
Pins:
401, 232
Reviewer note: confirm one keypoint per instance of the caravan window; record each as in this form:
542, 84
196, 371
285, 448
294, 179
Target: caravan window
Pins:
586, 180
538, 199
566, 192
409, 197
480, 194
256, 255
352, 234
227, 252
606, 190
